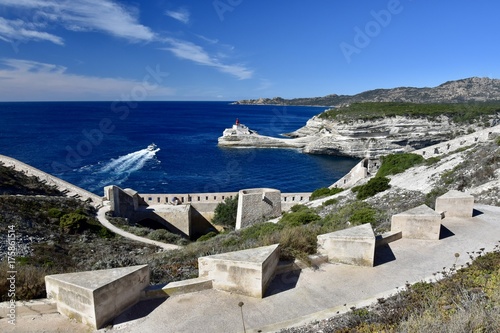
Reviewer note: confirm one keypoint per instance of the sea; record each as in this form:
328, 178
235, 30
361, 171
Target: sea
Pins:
95, 144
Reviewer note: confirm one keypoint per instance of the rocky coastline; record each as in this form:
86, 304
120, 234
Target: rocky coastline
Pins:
382, 135
373, 138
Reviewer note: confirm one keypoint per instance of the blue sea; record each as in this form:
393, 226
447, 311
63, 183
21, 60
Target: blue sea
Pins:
94, 144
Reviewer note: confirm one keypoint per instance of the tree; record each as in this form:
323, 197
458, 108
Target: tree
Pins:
225, 212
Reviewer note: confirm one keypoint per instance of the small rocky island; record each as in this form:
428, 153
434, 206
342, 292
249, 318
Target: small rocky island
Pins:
240, 135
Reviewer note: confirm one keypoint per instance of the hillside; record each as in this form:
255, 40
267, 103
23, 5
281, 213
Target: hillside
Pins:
472, 89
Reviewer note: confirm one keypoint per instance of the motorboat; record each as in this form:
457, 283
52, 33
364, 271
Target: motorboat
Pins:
152, 147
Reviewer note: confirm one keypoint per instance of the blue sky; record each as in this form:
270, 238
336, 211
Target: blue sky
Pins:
236, 49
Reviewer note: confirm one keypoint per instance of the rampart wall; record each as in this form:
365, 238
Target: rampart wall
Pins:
206, 202
458, 143
68, 189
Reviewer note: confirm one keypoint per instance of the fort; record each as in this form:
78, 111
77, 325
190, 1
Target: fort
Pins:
188, 214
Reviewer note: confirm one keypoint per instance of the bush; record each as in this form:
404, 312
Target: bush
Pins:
325, 192
363, 215
300, 216
297, 242
73, 223
374, 186
206, 237
330, 202
356, 213
225, 213
498, 141
163, 235
55, 213
260, 230
397, 163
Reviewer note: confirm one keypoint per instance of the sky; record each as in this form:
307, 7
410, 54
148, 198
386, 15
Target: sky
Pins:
107, 50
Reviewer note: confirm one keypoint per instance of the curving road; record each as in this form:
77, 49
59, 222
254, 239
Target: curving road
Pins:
101, 216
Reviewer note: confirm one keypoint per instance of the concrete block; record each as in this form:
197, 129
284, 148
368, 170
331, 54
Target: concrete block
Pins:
178, 288
256, 205
96, 297
246, 272
418, 223
353, 246
455, 204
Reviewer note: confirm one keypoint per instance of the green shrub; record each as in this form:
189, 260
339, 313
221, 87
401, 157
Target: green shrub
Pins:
206, 237
498, 141
73, 223
432, 160
330, 202
374, 186
297, 242
301, 216
324, 192
356, 213
363, 215
225, 212
397, 163
55, 213
163, 235
260, 230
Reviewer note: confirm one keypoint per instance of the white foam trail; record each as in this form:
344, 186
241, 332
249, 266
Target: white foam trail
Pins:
118, 170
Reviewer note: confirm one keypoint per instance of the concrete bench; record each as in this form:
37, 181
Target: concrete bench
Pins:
421, 222
455, 204
96, 297
353, 246
246, 272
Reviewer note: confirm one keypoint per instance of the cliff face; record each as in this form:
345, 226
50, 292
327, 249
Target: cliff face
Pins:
377, 137
473, 89
377, 131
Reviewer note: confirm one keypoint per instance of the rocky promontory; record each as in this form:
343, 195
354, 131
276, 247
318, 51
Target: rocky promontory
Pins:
385, 121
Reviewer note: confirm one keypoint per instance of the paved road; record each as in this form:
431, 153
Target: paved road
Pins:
101, 216
296, 298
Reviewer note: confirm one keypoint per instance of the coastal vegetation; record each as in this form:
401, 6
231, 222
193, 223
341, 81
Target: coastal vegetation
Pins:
397, 163
456, 112
373, 186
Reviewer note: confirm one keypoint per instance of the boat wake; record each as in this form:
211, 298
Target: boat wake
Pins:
116, 171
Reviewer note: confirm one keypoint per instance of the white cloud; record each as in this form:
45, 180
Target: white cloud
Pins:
182, 15
23, 80
190, 51
20, 31
79, 15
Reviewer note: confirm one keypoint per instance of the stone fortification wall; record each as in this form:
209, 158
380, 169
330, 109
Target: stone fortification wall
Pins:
68, 189
366, 168
460, 142
205, 202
